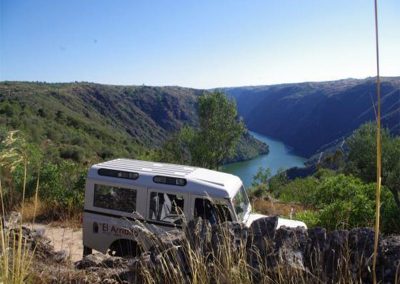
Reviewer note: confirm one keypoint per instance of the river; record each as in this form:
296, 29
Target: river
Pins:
280, 157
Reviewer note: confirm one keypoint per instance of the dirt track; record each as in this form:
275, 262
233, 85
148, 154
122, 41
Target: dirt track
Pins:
67, 239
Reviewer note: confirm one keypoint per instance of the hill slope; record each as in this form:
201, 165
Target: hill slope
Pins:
85, 121
309, 116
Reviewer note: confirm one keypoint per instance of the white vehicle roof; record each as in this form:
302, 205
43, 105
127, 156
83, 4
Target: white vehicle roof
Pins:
199, 181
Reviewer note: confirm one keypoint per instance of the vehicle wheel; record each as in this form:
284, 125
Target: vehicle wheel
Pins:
124, 248
86, 251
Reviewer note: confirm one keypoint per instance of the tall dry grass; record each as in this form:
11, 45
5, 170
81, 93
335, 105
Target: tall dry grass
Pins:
15, 254
216, 255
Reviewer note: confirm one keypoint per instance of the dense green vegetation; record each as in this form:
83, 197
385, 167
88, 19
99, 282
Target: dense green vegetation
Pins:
82, 122
86, 122
25, 172
345, 197
362, 158
339, 201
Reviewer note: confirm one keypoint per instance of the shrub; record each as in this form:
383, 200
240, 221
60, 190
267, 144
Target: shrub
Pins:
341, 202
62, 188
259, 185
311, 218
299, 190
17, 160
74, 153
362, 158
277, 182
261, 177
258, 191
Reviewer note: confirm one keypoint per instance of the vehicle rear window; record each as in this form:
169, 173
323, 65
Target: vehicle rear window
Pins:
114, 198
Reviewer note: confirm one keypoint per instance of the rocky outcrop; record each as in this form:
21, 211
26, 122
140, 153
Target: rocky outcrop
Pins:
328, 256
265, 252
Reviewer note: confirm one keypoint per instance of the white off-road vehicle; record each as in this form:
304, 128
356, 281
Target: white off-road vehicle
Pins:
121, 192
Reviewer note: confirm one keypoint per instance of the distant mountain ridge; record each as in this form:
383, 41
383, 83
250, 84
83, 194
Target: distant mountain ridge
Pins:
87, 120
309, 116
81, 120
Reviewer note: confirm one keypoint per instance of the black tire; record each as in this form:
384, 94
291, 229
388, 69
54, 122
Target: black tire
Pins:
124, 248
86, 251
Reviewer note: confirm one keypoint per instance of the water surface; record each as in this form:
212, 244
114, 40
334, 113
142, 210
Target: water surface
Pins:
280, 157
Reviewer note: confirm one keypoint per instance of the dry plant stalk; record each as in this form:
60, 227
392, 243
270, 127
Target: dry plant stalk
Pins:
200, 258
15, 255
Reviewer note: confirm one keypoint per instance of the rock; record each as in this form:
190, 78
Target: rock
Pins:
330, 257
389, 259
115, 262
361, 249
261, 236
60, 256
290, 246
102, 261
335, 253
316, 243
111, 269
13, 220
317, 238
38, 233
265, 227
91, 260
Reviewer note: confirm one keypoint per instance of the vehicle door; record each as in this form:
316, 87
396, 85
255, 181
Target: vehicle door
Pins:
213, 210
166, 209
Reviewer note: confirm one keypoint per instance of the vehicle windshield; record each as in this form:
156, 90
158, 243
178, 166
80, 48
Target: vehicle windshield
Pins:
241, 203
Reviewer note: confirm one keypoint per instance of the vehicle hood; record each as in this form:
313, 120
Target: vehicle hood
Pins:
281, 221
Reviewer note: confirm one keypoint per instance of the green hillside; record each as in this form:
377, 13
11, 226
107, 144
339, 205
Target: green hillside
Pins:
87, 122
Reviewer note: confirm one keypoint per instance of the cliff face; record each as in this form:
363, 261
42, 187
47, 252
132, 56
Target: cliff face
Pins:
310, 116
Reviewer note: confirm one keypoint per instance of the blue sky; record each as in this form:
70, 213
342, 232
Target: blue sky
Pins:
196, 43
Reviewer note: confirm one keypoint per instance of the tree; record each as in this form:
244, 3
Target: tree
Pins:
220, 130
362, 158
261, 177
176, 149
259, 185
215, 139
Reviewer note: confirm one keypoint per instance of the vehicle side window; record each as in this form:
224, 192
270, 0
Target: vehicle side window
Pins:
166, 207
212, 212
114, 198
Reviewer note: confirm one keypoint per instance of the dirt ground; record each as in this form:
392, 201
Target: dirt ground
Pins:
67, 239
269, 207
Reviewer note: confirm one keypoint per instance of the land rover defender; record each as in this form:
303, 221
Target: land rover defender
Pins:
159, 195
